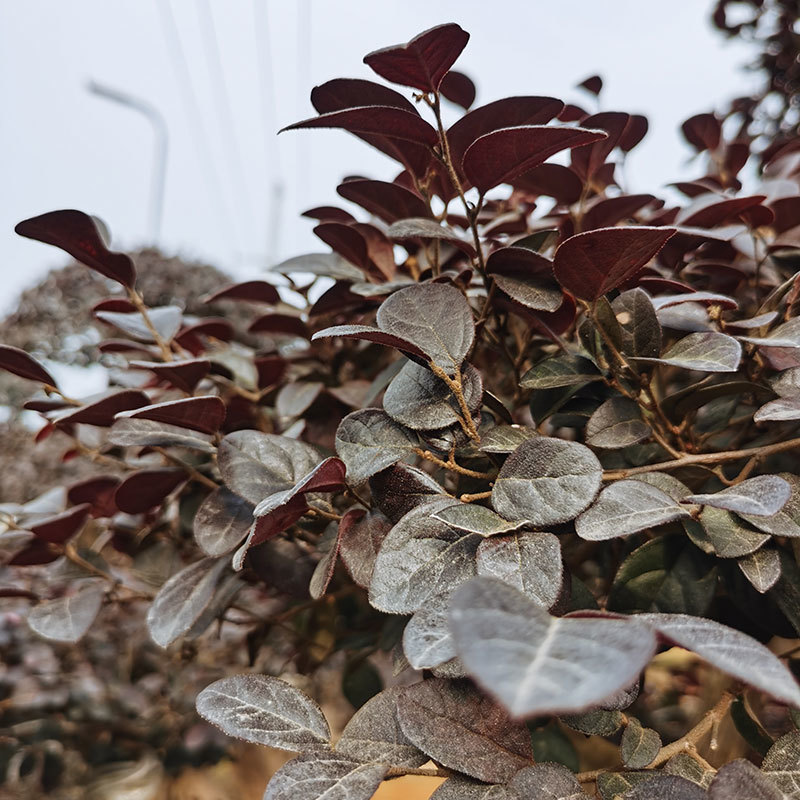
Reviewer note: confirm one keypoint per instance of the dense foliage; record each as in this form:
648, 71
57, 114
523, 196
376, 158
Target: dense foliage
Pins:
532, 431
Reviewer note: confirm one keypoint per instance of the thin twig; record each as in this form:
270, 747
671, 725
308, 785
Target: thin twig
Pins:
451, 464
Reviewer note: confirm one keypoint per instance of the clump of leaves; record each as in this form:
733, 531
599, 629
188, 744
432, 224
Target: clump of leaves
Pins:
534, 431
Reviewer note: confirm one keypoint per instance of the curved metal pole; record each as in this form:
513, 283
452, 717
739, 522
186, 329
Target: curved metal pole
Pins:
159, 170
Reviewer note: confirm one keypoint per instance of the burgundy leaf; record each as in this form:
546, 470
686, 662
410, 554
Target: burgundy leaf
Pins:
250, 291
44, 405
269, 526
501, 155
458, 88
424, 61
509, 112
346, 241
270, 369
102, 410
702, 131
587, 162
184, 375
98, 492
205, 414
119, 304
33, 554
519, 261
610, 211
77, 234
60, 527
389, 201
385, 121
552, 180
572, 113
371, 334
710, 210
125, 346
341, 93
328, 214
18, 362
593, 84
212, 328
591, 264
280, 323
140, 491
634, 132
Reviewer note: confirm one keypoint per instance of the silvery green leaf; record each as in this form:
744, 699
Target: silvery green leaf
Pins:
787, 384
369, 441
785, 335
505, 438
460, 788
529, 561
419, 557
265, 710
165, 319
616, 423
706, 352
690, 768
741, 778
558, 371
419, 400
534, 663
182, 599
667, 483
427, 641
654, 786
639, 745
331, 265
68, 618
536, 292
221, 522
472, 518
785, 522
780, 410
731, 651
598, 722
547, 481
434, 317
314, 776
761, 496
127, 432
762, 568
294, 398
255, 465
729, 536
782, 764
374, 734
546, 782
641, 331
627, 507
464, 730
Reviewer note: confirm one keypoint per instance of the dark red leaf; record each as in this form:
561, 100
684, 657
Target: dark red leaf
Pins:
271, 525
77, 234
389, 201
44, 406
12, 591
184, 375
191, 337
125, 346
140, 491
712, 209
205, 414
610, 211
552, 180
271, 370
280, 323
591, 264
336, 300
787, 212
702, 131
588, 160
101, 412
60, 527
634, 132
519, 261
509, 112
33, 554
250, 291
376, 335
328, 214
44, 432
345, 240
98, 492
424, 61
386, 121
501, 155
572, 113
119, 305
342, 93
458, 88
380, 251
593, 84
18, 362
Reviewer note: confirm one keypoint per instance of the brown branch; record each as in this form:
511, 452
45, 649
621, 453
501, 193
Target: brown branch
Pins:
451, 464
139, 303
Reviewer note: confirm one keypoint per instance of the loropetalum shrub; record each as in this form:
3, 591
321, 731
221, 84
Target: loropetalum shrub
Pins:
536, 430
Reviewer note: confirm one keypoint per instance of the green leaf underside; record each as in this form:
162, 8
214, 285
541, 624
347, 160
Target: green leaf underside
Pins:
316, 775
705, 352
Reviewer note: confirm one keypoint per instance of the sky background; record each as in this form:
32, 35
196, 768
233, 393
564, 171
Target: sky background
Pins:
227, 74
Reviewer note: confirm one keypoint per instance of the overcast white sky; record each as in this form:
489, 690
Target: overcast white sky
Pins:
62, 147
